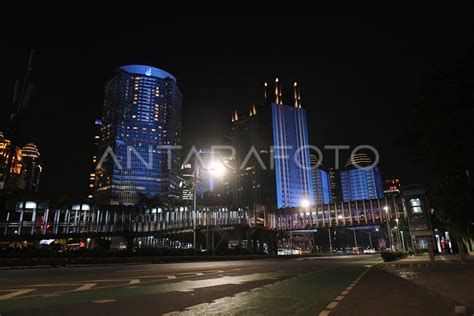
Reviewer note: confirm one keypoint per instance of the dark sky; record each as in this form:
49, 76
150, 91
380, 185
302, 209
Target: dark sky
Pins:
358, 74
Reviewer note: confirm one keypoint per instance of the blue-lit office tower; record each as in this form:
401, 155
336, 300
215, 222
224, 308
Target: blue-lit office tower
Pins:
360, 182
141, 115
322, 185
278, 134
291, 153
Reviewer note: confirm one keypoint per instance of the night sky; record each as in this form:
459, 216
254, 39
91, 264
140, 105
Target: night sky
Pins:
358, 75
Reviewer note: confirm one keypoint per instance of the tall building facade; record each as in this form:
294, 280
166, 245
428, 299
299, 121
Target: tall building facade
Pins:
359, 181
32, 168
272, 153
321, 183
141, 122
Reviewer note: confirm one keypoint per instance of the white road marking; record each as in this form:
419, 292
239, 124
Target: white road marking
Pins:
332, 305
85, 287
134, 281
339, 298
459, 309
104, 301
324, 313
344, 292
171, 277
15, 293
199, 273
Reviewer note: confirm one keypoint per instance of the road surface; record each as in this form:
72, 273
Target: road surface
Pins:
309, 286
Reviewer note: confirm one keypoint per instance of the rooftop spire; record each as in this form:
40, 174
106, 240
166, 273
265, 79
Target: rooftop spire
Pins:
278, 98
297, 95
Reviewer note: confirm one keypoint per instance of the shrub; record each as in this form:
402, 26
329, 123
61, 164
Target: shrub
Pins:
392, 255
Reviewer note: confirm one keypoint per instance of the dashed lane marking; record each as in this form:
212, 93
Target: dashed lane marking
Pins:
341, 296
15, 293
171, 277
459, 309
134, 281
104, 301
85, 287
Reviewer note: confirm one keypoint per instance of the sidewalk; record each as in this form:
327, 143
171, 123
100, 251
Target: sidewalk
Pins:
380, 292
447, 276
424, 260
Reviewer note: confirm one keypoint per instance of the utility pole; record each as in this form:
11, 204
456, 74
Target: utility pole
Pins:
195, 175
330, 240
355, 238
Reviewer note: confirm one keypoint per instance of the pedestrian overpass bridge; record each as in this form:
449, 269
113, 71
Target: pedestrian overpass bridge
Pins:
33, 219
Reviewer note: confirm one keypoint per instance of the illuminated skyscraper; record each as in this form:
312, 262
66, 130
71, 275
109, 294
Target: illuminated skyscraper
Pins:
275, 132
141, 116
32, 169
360, 181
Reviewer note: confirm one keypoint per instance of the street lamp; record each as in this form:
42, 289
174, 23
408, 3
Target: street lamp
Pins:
216, 168
398, 232
370, 236
305, 203
389, 231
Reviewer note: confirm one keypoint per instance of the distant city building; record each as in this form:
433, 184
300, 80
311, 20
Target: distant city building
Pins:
359, 181
32, 169
335, 185
321, 183
25, 170
273, 130
14, 174
93, 161
142, 110
211, 184
392, 185
186, 183
393, 197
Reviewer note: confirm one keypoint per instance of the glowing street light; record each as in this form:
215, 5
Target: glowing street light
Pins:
305, 203
216, 168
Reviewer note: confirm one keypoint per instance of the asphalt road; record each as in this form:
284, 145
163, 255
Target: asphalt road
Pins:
272, 286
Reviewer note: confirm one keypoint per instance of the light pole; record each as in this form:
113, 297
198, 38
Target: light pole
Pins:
215, 168
355, 238
195, 175
370, 237
398, 233
389, 230
403, 240
330, 240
